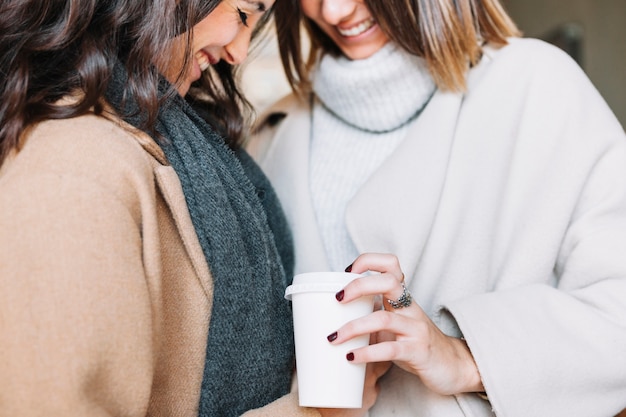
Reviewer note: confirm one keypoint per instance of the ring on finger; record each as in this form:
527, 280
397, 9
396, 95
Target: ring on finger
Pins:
404, 300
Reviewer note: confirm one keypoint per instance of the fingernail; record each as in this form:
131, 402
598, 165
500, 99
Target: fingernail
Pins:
350, 356
332, 336
339, 295
349, 268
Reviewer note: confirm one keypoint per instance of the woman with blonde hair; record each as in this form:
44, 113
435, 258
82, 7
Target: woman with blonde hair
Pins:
492, 170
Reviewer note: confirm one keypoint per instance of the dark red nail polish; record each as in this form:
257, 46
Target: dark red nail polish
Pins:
350, 356
349, 268
339, 295
332, 336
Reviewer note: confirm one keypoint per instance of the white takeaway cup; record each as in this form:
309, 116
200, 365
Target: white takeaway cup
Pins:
326, 379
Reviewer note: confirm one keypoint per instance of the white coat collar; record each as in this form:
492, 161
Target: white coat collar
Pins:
421, 160
423, 157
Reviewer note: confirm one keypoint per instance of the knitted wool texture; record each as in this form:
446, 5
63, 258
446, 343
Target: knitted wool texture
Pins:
250, 352
362, 111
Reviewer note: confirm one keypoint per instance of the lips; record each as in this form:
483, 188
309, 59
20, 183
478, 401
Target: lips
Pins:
357, 29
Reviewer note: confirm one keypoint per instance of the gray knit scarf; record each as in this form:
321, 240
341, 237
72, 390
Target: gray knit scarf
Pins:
250, 353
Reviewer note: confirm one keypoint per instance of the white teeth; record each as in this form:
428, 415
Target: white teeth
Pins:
358, 29
203, 60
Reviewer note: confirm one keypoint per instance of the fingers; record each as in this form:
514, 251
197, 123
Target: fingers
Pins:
388, 327
379, 262
391, 336
405, 299
379, 353
380, 368
394, 294
382, 323
378, 302
388, 281
386, 284
375, 370
372, 375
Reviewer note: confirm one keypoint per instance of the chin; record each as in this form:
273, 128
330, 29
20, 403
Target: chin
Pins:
183, 88
360, 54
355, 52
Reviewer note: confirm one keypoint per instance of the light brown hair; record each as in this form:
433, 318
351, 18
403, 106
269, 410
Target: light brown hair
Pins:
448, 34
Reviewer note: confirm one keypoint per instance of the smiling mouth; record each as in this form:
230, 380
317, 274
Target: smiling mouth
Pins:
203, 60
358, 29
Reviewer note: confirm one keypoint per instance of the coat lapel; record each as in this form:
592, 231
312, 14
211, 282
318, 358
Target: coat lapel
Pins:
172, 192
286, 163
407, 186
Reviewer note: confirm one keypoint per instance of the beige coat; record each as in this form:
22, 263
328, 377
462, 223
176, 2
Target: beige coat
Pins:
105, 296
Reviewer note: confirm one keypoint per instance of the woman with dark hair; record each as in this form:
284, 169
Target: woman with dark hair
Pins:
495, 173
143, 261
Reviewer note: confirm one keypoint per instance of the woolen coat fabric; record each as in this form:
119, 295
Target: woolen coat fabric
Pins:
506, 207
106, 303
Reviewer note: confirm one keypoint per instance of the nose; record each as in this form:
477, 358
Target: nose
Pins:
237, 49
335, 11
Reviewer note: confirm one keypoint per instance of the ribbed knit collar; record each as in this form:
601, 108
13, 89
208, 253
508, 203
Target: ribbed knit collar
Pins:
379, 93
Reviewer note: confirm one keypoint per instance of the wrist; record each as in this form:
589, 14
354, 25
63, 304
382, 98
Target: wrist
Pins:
472, 381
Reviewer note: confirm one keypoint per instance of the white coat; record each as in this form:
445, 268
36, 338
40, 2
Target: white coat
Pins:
506, 206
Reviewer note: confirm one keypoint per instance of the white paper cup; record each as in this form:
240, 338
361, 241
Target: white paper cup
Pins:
326, 379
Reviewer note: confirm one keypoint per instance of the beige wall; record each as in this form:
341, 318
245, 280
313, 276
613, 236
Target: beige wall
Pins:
263, 79
603, 23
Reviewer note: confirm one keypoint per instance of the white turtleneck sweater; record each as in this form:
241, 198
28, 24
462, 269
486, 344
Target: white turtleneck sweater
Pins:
362, 111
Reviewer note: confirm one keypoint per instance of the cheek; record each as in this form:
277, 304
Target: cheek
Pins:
310, 9
172, 60
218, 29
214, 38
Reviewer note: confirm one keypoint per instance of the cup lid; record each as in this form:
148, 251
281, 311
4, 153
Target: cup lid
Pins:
319, 282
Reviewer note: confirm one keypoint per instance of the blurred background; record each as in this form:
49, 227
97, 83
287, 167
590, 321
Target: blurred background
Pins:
593, 32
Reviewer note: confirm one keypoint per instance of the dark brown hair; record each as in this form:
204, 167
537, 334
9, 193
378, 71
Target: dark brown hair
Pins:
52, 48
448, 34
219, 100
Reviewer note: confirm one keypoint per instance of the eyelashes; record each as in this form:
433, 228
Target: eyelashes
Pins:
243, 17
